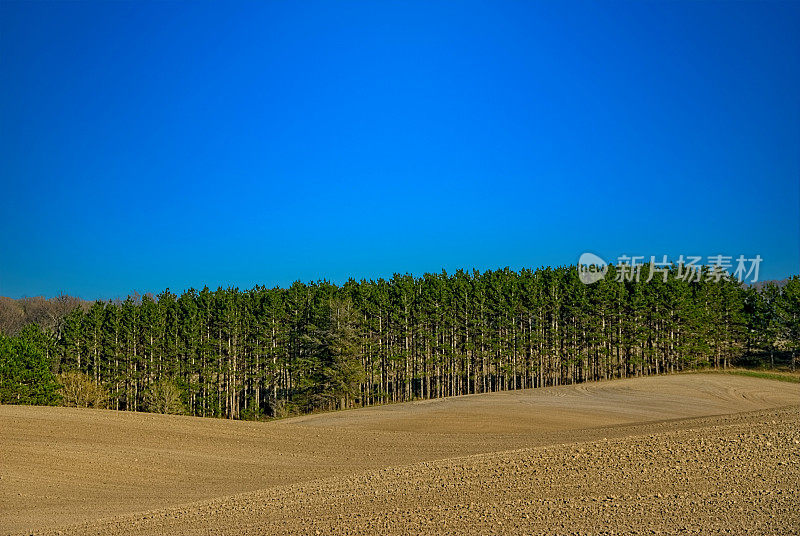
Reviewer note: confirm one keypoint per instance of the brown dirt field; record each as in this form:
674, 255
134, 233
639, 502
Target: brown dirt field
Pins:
701, 452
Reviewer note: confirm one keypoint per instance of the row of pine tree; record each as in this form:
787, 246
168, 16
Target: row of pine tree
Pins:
319, 346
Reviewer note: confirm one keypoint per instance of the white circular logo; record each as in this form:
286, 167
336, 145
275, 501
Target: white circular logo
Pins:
591, 268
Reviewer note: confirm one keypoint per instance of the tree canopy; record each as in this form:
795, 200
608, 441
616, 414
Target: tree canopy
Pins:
319, 346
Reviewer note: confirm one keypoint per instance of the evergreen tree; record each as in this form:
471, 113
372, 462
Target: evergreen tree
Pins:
231, 353
26, 376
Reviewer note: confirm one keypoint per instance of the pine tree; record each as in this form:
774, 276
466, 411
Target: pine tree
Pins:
26, 376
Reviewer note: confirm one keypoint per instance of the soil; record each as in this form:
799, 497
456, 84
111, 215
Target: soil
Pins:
694, 453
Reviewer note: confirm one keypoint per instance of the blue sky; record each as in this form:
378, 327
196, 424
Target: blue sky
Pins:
178, 144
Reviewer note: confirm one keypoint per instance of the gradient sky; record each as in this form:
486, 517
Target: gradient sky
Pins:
178, 144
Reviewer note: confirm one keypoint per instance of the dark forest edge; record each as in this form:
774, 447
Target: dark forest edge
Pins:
270, 353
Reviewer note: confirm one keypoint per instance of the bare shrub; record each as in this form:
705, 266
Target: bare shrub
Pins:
79, 391
280, 409
164, 396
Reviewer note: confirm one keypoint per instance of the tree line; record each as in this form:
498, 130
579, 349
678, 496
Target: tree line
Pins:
270, 352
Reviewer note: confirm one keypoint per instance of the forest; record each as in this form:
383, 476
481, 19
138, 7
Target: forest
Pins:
273, 352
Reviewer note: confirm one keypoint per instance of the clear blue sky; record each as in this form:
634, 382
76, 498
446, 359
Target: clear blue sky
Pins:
154, 145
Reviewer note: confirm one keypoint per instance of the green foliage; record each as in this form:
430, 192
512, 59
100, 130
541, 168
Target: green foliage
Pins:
788, 318
274, 352
334, 376
25, 372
